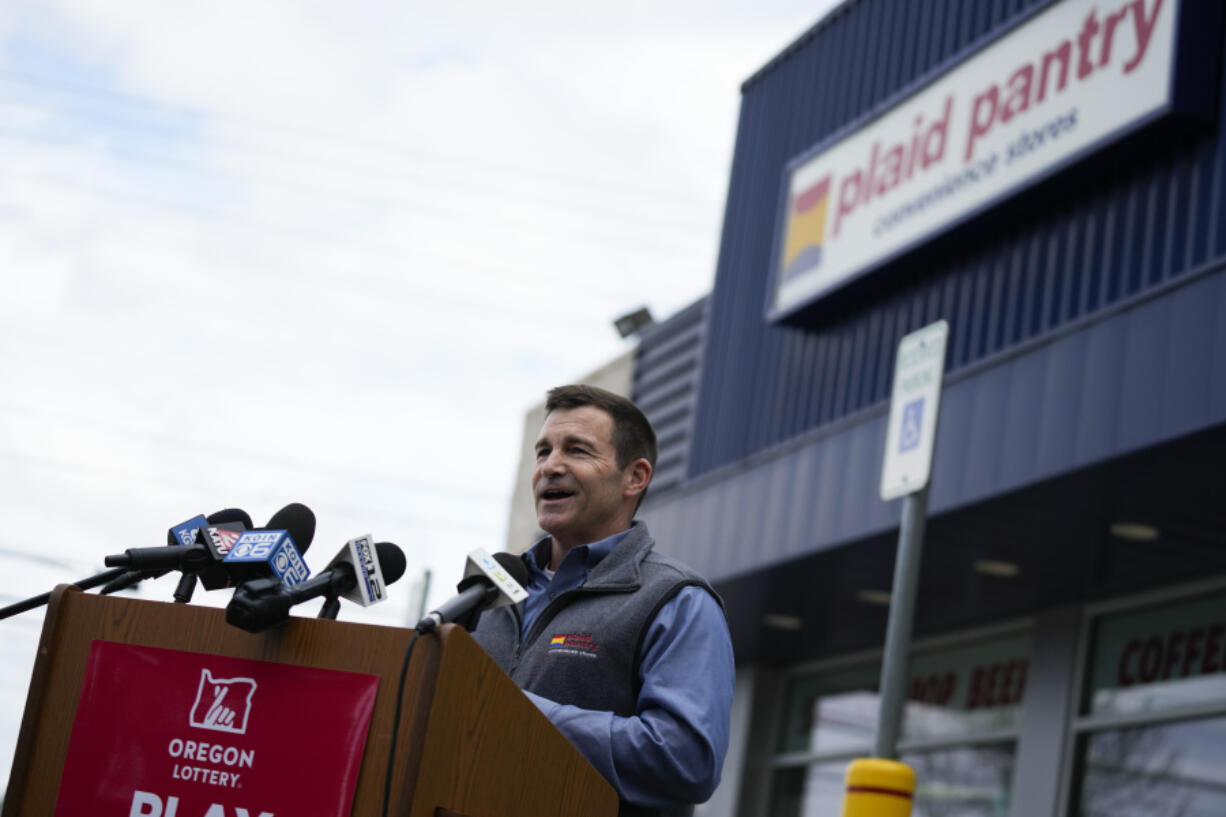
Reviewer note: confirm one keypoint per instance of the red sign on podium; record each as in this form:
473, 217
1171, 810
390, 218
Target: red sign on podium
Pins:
165, 733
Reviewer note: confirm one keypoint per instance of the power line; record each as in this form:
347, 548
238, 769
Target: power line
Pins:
216, 448
379, 251
332, 137
635, 245
34, 557
92, 470
385, 177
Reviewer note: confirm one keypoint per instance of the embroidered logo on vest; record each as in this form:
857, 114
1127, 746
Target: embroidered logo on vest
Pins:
573, 644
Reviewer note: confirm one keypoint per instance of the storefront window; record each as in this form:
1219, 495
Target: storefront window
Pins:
831, 712
1159, 658
972, 781
953, 693
1168, 770
964, 704
1168, 658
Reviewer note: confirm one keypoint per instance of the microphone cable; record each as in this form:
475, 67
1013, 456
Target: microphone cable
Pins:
391, 750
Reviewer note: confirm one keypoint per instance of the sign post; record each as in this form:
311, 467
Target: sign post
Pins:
909, 443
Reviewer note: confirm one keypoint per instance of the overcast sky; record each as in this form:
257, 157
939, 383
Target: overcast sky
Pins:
255, 253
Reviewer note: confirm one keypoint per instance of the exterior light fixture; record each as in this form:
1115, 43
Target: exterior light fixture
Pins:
633, 322
1134, 531
779, 621
879, 597
996, 567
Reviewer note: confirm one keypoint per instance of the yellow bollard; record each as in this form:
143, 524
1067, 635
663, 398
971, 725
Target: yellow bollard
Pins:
878, 788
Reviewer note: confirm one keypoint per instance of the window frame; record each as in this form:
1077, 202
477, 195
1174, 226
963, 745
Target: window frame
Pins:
1081, 725
790, 760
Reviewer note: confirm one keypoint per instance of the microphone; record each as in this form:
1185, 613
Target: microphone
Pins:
209, 551
274, 550
119, 578
371, 567
152, 563
262, 603
487, 583
218, 539
160, 560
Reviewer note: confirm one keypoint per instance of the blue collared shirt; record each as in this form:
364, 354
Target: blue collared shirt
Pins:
672, 749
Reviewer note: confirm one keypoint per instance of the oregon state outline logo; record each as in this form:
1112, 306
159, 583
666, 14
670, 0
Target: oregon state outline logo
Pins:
222, 704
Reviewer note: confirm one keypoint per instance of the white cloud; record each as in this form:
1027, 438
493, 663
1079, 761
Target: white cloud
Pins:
259, 253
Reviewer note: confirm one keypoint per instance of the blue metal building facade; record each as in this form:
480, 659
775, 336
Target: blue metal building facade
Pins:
1085, 387
1086, 317
1130, 226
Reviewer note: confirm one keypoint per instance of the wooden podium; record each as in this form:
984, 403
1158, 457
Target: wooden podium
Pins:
470, 744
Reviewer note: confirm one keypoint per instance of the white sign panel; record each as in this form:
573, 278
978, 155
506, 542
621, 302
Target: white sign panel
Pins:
916, 400
1073, 76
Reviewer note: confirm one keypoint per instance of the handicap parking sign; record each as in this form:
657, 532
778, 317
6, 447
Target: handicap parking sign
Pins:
914, 404
909, 434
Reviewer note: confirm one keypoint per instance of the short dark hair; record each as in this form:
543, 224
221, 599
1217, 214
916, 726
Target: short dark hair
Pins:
633, 436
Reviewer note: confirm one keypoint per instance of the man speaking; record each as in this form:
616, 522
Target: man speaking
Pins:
625, 650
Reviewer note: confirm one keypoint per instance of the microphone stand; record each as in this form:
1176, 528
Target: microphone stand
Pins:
84, 584
187, 586
332, 606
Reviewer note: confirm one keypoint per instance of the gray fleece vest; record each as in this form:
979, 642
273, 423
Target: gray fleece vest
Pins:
584, 649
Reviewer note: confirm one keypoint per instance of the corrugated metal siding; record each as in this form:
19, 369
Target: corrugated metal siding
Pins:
1130, 379
1121, 231
666, 385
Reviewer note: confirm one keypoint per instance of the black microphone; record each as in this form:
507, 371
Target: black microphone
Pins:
259, 604
250, 559
488, 582
204, 554
218, 539
145, 564
370, 566
119, 578
158, 561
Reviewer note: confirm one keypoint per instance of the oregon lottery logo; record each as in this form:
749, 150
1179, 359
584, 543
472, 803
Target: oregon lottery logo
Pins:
222, 704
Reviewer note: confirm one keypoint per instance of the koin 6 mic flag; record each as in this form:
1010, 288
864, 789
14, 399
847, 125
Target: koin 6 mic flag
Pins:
261, 552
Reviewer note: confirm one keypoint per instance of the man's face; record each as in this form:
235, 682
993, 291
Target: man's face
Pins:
580, 492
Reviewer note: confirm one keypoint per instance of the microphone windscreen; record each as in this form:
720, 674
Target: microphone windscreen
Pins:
228, 515
514, 565
299, 520
391, 561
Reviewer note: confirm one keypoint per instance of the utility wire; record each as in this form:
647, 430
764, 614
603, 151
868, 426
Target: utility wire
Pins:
240, 454
93, 470
195, 210
332, 138
388, 185
381, 252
